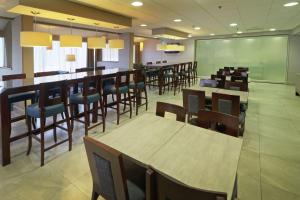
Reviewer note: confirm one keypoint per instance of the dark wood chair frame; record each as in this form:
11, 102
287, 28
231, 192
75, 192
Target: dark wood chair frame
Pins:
87, 90
162, 107
241, 85
221, 80
45, 100
195, 72
161, 187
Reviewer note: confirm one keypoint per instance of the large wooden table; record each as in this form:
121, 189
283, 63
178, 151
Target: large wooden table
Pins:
197, 157
31, 84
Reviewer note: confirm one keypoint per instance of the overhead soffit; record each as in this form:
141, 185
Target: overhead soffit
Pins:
169, 33
64, 10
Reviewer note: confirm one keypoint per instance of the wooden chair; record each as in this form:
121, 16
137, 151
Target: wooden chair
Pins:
162, 107
89, 95
221, 80
195, 72
20, 97
158, 62
220, 122
49, 107
108, 173
49, 73
239, 86
193, 101
164, 61
183, 74
229, 104
89, 69
138, 86
120, 88
162, 187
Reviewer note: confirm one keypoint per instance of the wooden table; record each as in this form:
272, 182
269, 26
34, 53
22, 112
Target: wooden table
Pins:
31, 84
195, 156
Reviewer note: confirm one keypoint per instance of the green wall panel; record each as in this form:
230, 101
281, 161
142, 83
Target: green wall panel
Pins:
266, 56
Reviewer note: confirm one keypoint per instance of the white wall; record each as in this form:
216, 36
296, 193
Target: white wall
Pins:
16, 50
150, 54
293, 58
125, 55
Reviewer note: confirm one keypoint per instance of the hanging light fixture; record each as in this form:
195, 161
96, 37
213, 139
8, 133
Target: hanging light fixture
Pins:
96, 42
71, 40
141, 46
116, 44
33, 38
161, 47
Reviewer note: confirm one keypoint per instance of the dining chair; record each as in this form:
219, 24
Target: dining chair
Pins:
138, 86
229, 104
49, 106
19, 97
121, 87
220, 122
90, 95
239, 86
164, 61
158, 62
183, 74
195, 72
108, 173
162, 108
220, 79
160, 186
193, 101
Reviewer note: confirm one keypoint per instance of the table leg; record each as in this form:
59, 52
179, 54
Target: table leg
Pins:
5, 127
95, 112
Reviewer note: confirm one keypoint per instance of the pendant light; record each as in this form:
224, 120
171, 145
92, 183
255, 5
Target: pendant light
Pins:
71, 40
116, 43
33, 38
96, 42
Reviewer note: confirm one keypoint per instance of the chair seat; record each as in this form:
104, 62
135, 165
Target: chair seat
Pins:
134, 192
113, 90
21, 97
139, 85
78, 98
33, 110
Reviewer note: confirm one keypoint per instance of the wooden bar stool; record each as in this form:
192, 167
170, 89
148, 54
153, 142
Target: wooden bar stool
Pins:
120, 88
49, 107
138, 86
91, 94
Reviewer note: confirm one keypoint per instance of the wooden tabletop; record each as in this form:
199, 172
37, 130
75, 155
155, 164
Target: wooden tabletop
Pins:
195, 156
200, 158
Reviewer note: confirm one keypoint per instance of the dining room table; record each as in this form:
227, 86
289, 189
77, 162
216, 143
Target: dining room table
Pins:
12, 87
195, 156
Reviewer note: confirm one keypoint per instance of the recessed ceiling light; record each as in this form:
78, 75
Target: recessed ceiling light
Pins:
177, 20
272, 29
239, 32
137, 3
190, 35
290, 4
233, 24
197, 28
212, 34
143, 25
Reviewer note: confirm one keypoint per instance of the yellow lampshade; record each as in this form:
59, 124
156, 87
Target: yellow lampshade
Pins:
50, 47
70, 41
71, 57
96, 42
175, 47
35, 39
116, 44
141, 46
161, 47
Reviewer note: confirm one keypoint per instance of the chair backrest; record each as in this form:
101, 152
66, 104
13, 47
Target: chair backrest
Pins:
243, 69
164, 61
193, 101
139, 76
158, 62
220, 122
49, 73
239, 86
91, 85
182, 67
52, 93
13, 76
162, 187
162, 107
107, 170
220, 78
149, 63
195, 66
208, 83
122, 79
225, 103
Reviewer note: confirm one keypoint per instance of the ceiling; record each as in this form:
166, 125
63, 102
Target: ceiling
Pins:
213, 16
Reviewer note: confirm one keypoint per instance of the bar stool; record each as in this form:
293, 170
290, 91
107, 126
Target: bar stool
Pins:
20, 97
49, 106
121, 87
91, 94
138, 86
195, 72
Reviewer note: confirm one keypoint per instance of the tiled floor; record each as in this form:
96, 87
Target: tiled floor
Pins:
269, 166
